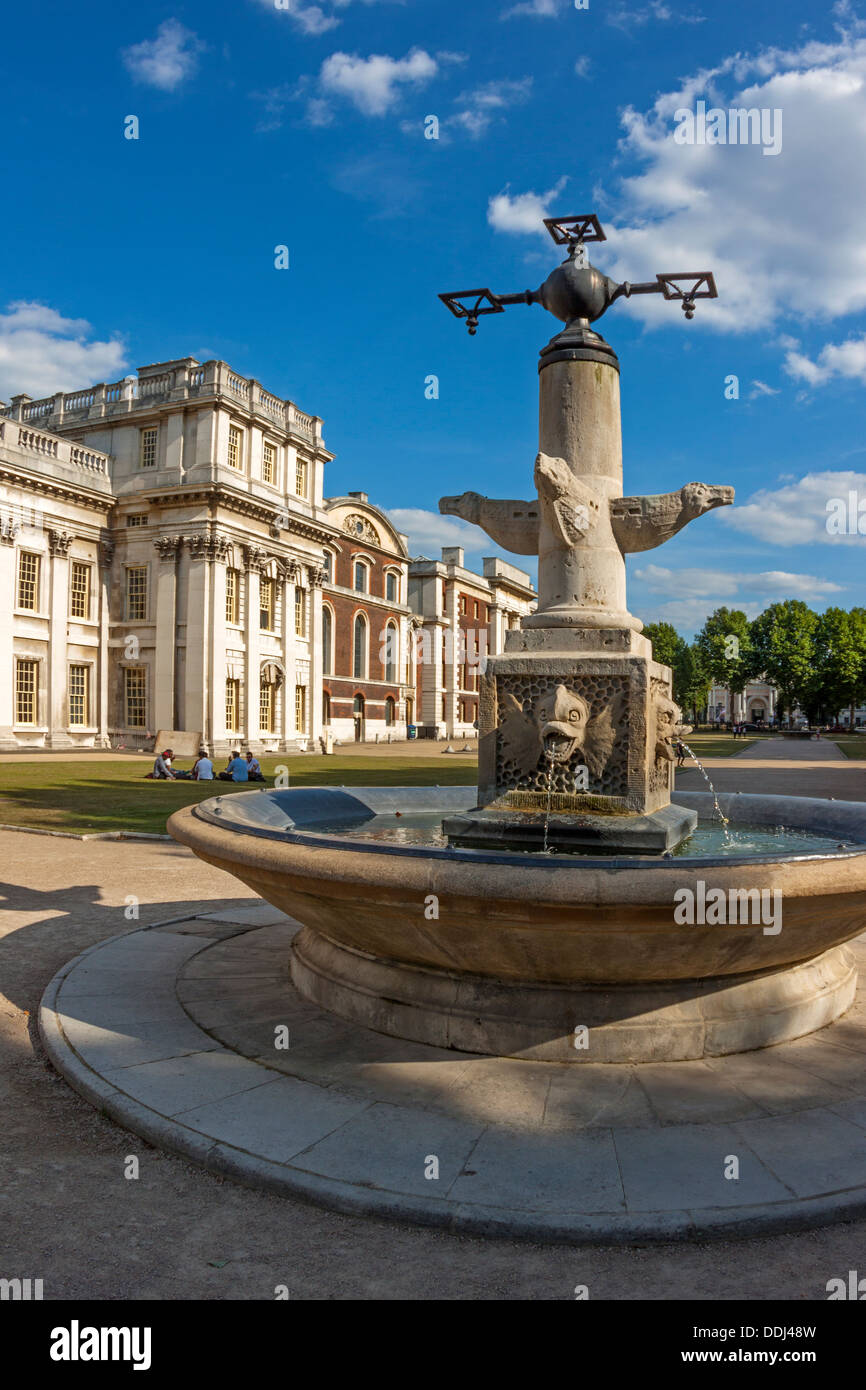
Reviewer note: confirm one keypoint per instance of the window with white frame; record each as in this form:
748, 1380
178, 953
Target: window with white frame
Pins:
361, 577
26, 690
136, 593
301, 477
29, 573
147, 447
79, 590
135, 696
79, 696
269, 462
235, 455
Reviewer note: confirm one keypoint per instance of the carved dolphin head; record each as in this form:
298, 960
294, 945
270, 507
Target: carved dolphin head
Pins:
698, 498
562, 722
669, 725
466, 504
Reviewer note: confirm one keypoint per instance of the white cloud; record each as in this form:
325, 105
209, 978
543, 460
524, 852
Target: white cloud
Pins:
373, 84
42, 352
524, 212
167, 60
691, 594
540, 9
311, 19
735, 210
429, 531
582, 66
846, 359
478, 108
628, 18
796, 514
760, 388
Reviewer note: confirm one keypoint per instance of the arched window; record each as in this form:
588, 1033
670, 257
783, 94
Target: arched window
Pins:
390, 711
392, 645
361, 577
391, 587
327, 640
359, 647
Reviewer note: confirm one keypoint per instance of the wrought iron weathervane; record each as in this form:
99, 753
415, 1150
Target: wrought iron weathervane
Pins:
576, 291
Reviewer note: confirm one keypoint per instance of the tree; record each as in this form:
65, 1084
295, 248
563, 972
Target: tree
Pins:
840, 662
783, 650
726, 646
666, 642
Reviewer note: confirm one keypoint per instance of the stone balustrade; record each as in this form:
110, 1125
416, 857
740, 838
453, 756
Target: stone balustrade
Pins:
166, 381
18, 439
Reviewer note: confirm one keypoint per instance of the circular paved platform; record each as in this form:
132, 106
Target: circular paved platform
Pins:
173, 1032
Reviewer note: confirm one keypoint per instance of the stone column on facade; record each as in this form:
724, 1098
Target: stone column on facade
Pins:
58, 611
215, 718
199, 625
287, 723
8, 531
496, 629
314, 689
254, 559
432, 686
453, 653
165, 638
105, 555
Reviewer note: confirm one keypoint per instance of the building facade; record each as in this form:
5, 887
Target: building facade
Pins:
755, 705
460, 618
193, 500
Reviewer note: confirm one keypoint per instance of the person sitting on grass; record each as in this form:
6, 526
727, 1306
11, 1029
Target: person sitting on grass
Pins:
236, 770
202, 769
162, 766
254, 769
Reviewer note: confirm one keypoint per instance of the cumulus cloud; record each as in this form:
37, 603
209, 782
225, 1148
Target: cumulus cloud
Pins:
540, 9
429, 531
167, 60
688, 596
476, 110
846, 359
373, 85
524, 212
42, 352
733, 209
797, 513
760, 388
312, 19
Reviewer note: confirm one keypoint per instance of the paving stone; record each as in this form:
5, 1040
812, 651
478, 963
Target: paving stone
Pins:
587, 1097
180, 1082
693, 1093
106, 1049
774, 1083
575, 1172
256, 915
276, 1119
813, 1152
681, 1167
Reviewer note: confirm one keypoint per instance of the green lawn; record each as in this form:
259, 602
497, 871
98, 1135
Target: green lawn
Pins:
717, 745
84, 797
851, 747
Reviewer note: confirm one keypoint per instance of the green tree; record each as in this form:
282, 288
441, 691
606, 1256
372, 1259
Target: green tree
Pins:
783, 650
666, 642
726, 646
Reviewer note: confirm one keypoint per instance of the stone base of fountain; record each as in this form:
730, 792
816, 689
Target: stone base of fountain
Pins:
495, 827
674, 1021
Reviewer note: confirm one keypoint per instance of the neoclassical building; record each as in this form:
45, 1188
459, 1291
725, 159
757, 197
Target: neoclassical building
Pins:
170, 562
164, 542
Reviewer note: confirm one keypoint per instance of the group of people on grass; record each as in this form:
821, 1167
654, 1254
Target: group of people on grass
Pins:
238, 769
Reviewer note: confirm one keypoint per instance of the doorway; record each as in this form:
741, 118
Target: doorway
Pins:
358, 716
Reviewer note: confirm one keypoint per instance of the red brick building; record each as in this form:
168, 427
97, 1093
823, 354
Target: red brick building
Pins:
366, 695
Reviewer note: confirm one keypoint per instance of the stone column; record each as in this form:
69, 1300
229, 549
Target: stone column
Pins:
452, 659
287, 722
8, 531
254, 558
105, 552
165, 638
579, 421
199, 624
314, 690
215, 718
58, 609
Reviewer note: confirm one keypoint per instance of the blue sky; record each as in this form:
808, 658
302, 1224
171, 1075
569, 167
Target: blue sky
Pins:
262, 126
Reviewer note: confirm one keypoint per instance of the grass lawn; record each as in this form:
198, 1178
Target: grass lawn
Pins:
851, 747
85, 797
717, 745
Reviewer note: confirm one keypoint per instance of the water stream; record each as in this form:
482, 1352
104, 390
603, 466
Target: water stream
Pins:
550, 770
717, 810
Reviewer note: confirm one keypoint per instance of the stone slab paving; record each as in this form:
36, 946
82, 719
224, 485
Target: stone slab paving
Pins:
171, 1032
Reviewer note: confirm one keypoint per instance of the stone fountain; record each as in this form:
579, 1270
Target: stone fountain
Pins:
468, 941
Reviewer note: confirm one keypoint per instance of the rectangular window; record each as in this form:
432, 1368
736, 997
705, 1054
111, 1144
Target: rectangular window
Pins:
301, 709
79, 590
135, 696
266, 707
29, 567
137, 519
475, 610
235, 447
328, 567
361, 574
233, 596
301, 477
136, 593
269, 463
26, 689
147, 455
300, 612
79, 695
463, 605
233, 705
266, 605
391, 587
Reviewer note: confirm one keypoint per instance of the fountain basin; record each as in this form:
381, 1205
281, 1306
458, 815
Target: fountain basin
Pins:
509, 953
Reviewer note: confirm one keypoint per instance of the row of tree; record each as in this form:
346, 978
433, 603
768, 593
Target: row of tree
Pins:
816, 661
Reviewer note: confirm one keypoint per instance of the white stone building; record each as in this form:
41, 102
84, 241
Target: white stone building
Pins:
163, 540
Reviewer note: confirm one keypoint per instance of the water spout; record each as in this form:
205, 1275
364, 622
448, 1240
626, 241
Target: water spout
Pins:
717, 810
